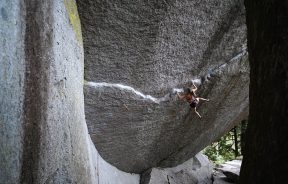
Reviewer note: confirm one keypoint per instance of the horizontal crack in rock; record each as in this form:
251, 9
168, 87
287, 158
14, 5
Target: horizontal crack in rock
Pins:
168, 95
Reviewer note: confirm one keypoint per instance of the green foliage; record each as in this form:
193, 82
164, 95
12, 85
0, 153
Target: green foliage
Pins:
225, 148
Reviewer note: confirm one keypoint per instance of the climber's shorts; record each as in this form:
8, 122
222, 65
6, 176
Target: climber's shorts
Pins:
194, 103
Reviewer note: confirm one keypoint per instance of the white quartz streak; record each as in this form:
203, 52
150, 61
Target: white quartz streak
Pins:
126, 88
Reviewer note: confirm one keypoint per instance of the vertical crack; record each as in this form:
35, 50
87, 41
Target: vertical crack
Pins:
35, 85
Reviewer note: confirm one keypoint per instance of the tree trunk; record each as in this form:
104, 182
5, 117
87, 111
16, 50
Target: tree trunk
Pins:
242, 138
236, 152
265, 155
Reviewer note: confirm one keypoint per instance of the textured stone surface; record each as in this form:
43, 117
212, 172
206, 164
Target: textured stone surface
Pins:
197, 170
11, 90
106, 173
220, 178
265, 154
150, 48
55, 146
231, 170
43, 135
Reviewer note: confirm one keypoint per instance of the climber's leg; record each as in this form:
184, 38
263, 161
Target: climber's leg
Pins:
197, 112
203, 99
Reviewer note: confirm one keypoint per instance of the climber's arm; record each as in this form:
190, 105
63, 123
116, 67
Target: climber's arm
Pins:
181, 97
194, 87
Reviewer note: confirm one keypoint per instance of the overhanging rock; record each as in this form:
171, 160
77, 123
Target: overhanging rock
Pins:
137, 54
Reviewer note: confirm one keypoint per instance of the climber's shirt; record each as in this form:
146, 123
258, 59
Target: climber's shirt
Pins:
189, 98
192, 101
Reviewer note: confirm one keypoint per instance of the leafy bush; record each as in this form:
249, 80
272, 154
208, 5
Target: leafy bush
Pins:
227, 147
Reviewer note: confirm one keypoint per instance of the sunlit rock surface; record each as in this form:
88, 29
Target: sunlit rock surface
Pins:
11, 90
137, 53
43, 134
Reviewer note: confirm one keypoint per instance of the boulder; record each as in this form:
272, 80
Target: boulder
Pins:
231, 170
220, 178
197, 170
138, 54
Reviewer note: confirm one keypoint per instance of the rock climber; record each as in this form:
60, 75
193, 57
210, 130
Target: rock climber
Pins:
191, 97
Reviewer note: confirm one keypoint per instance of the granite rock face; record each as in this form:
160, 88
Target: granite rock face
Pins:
43, 134
197, 170
11, 90
138, 53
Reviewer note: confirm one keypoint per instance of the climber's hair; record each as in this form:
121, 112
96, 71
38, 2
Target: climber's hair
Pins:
189, 91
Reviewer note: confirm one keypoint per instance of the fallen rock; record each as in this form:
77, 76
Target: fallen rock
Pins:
138, 53
231, 170
197, 170
220, 178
